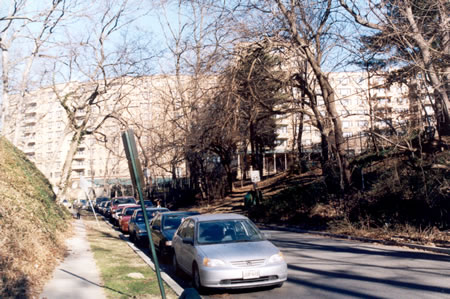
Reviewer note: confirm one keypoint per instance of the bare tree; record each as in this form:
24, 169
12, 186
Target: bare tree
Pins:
108, 83
196, 44
23, 23
415, 36
307, 23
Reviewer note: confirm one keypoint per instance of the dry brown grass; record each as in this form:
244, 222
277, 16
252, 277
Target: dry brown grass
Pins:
322, 216
32, 225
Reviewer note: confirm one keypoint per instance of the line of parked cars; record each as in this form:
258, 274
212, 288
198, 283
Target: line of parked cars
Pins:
216, 250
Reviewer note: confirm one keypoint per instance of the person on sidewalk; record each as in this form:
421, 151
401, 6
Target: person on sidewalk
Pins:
78, 212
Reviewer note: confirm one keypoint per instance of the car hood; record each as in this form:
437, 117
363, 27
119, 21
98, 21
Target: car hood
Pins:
239, 251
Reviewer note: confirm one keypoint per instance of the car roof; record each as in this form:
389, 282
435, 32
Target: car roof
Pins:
152, 209
211, 217
180, 213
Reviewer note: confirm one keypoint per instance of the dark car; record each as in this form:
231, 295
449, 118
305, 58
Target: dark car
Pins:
136, 225
101, 207
107, 209
163, 228
98, 201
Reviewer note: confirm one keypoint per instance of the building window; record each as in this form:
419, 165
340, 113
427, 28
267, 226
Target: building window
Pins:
383, 101
345, 91
347, 134
281, 142
346, 124
363, 123
282, 129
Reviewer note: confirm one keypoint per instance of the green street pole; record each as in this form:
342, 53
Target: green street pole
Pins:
136, 175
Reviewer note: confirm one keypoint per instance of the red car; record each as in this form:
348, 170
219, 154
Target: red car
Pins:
125, 217
121, 200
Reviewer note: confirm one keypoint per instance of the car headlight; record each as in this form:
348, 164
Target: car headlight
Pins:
168, 243
276, 258
212, 262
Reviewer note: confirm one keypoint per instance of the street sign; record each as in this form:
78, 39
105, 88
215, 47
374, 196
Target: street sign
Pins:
137, 178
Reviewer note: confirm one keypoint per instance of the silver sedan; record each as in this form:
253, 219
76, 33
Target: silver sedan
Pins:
226, 251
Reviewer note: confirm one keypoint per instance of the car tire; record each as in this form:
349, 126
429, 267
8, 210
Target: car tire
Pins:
175, 266
196, 279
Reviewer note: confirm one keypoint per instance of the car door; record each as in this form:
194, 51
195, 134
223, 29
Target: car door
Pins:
177, 242
132, 223
187, 249
156, 230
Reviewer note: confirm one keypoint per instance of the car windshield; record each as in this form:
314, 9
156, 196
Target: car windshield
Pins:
150, 214
124, 200
172, 221
228, 231
101, 199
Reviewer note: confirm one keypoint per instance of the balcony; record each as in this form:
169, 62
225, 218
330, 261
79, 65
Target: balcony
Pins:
78, 166
30, 118
80, 114
80, 155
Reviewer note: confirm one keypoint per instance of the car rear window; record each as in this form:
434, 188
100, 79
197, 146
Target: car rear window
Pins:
172, 221
129, 211
124, 200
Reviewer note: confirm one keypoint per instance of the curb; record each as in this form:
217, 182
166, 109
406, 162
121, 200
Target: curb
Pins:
367, 240
167, 279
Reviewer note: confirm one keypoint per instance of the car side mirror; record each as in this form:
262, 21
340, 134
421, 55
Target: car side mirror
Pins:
188, 241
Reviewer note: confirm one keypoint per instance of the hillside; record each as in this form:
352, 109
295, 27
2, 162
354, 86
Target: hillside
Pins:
32, 225
403, 198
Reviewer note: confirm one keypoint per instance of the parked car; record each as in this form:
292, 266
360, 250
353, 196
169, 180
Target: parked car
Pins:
136, 225
107, 209
101, 207
98, 201
163, 227
226, 251
121, 200
118, 212
127, 212
81, 204
66, 203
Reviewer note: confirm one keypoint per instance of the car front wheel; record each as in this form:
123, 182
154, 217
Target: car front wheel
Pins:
175, 266
196, 280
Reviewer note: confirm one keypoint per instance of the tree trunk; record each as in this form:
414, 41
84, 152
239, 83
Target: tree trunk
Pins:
67, 167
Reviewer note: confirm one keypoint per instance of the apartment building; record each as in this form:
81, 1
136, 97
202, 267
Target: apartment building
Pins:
39, 125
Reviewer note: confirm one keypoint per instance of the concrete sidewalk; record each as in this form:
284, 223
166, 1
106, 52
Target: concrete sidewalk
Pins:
77, 276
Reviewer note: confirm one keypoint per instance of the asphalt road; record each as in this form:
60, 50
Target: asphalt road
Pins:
322, 267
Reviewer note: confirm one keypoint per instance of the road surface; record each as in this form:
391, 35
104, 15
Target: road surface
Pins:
322, 267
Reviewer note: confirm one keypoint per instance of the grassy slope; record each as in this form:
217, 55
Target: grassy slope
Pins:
403, 199
31, 225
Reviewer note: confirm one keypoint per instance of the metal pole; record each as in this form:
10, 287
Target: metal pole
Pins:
127, 136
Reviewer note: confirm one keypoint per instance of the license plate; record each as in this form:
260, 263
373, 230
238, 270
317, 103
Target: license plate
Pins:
249, 274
